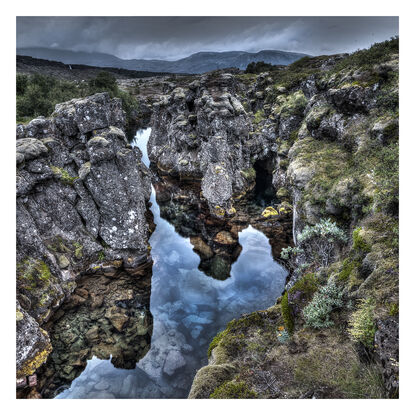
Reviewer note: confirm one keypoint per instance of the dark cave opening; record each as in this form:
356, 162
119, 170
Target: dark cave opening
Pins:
264, 192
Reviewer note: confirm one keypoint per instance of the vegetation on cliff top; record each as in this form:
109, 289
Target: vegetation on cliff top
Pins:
37, 95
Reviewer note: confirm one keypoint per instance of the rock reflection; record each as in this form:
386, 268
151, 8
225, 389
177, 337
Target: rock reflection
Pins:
107, 317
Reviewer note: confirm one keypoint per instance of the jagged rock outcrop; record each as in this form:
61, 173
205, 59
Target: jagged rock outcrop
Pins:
333, 124
81, 206
203, 132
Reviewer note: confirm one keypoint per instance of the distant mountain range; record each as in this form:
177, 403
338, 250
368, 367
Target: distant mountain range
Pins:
196, 63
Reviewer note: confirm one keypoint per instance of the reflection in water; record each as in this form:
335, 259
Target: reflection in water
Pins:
188, 309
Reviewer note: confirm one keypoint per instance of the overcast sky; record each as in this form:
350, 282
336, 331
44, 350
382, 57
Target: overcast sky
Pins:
177, 37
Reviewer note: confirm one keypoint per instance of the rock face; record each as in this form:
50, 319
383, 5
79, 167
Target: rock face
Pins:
327, 129
81, 202
202, 132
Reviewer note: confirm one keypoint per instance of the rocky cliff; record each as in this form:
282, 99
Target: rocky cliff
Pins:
82, 195
328, 130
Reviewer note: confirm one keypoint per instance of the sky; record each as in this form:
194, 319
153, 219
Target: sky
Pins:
173, 38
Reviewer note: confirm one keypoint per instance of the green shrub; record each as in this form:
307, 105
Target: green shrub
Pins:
362, 323
104, 81
325, 300
258, 67
233, 390
287, 314
316, 244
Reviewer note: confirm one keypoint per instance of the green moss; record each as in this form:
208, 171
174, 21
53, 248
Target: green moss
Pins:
232, 338
287, 313
63, 175
249, 174
393, 309
347, 268
233, 390
359, 244
259, 116
101, 255
216, 340
78, 250
294, 104
32, 273
308, 285
362, 323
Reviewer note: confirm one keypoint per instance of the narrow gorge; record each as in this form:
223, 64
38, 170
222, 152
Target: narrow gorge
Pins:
241, 243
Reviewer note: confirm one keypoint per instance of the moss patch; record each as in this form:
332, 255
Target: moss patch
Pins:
233, 390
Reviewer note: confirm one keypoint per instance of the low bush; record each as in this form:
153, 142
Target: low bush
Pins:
316, 244
258, 67
325, 300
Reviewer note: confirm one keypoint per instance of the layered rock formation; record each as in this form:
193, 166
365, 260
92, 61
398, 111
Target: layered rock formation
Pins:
81, 207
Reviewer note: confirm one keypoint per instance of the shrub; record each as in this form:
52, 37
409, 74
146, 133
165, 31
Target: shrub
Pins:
325, 300
258, 67
316, 244
104, 81
362, 323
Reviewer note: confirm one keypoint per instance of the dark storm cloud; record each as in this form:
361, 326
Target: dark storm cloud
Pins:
176, 37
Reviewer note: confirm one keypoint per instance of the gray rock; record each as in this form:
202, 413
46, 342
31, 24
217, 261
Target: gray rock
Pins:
174, 361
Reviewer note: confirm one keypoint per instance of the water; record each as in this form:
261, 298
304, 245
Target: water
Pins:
188, 309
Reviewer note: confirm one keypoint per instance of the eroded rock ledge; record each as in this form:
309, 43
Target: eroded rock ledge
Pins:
82, 196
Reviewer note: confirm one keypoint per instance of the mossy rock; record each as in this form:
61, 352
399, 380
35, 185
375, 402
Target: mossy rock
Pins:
210, 377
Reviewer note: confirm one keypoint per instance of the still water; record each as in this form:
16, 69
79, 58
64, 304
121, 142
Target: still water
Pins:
188, 309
